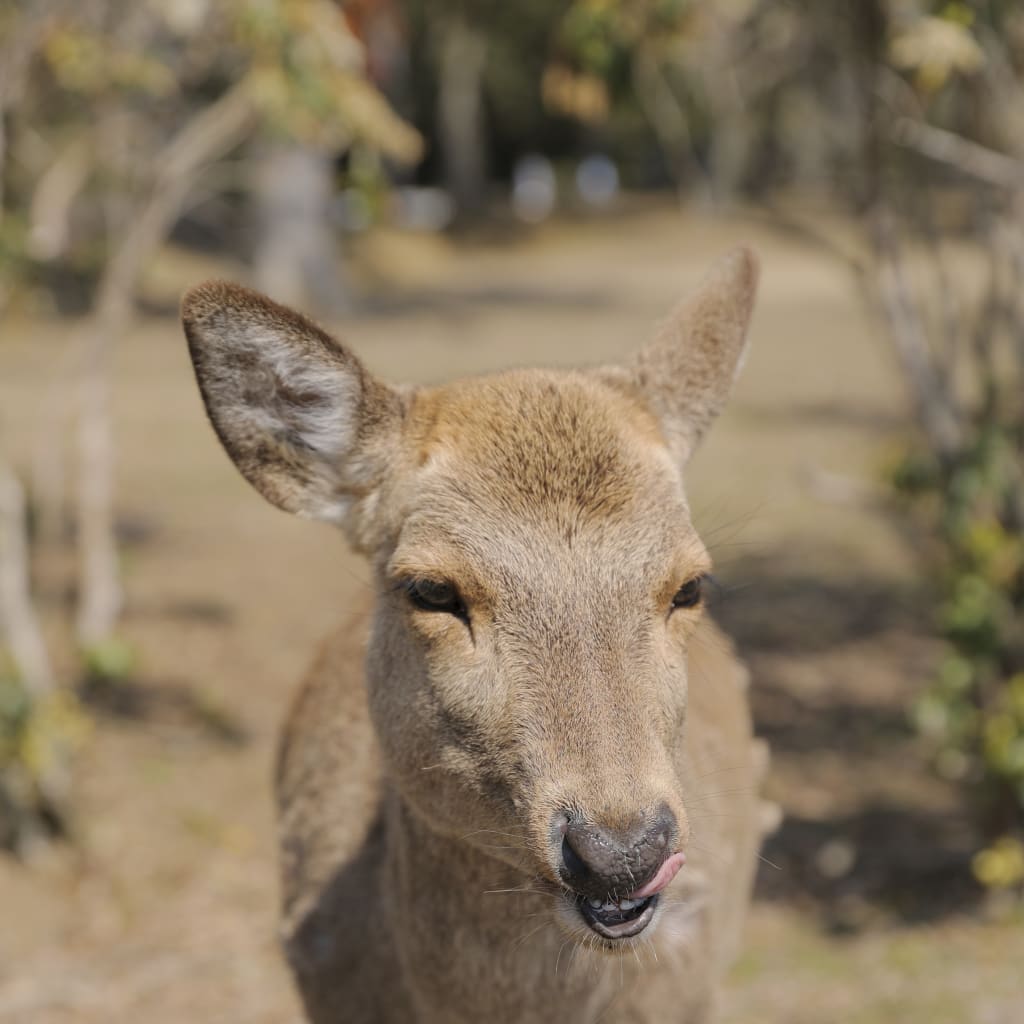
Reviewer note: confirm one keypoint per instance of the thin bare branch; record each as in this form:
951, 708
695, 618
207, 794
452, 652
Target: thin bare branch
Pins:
966, 156
205, 138
54, 197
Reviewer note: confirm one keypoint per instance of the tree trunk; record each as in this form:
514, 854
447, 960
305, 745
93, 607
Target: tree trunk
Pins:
209, 134
99, 591
33, 794
24, 638
460, 114
296, 257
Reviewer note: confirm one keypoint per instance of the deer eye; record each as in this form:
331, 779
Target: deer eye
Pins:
436, 596
689, 594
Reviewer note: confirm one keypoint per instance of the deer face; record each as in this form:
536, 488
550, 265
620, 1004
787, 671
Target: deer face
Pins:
539, 576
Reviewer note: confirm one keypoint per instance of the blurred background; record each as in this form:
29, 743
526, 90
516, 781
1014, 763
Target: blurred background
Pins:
456, 187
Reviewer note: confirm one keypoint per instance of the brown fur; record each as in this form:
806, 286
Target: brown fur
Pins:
420, 875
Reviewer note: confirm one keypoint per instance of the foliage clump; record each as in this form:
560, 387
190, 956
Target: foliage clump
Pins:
38, 736
974, 709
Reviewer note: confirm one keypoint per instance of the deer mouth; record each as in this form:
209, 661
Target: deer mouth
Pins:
623, 917
617, 919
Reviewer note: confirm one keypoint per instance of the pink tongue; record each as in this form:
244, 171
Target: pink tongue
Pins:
665, 874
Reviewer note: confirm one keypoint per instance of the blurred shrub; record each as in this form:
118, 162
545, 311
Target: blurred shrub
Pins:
111, 661
39, 733
115, 107
974, 710
1001, 866
949, 124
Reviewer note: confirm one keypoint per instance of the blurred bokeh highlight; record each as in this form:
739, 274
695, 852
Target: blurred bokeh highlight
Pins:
456, 187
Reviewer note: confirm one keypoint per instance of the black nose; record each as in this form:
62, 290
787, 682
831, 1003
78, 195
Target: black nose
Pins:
599, 861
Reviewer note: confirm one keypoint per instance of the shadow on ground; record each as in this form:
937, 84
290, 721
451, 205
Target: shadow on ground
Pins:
836, 662
163, 703
767, 607
882, 861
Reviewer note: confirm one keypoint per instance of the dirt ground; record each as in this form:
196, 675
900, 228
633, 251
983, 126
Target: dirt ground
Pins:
865, 912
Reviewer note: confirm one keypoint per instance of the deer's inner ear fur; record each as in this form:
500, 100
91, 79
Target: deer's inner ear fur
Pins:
305, 423
686, 373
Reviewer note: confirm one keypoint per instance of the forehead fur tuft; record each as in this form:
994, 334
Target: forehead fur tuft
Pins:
532, 442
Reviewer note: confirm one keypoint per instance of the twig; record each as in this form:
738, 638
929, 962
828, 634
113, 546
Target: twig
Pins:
968, 157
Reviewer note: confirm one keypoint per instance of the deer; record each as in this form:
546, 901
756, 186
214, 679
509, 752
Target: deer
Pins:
522, 785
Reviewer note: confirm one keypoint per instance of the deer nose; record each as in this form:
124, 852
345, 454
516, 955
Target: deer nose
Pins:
598, 861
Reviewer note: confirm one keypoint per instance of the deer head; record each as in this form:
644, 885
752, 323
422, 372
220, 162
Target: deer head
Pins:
538, 574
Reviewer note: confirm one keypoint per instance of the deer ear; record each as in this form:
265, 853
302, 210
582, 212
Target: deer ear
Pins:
302, 419
686, 373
